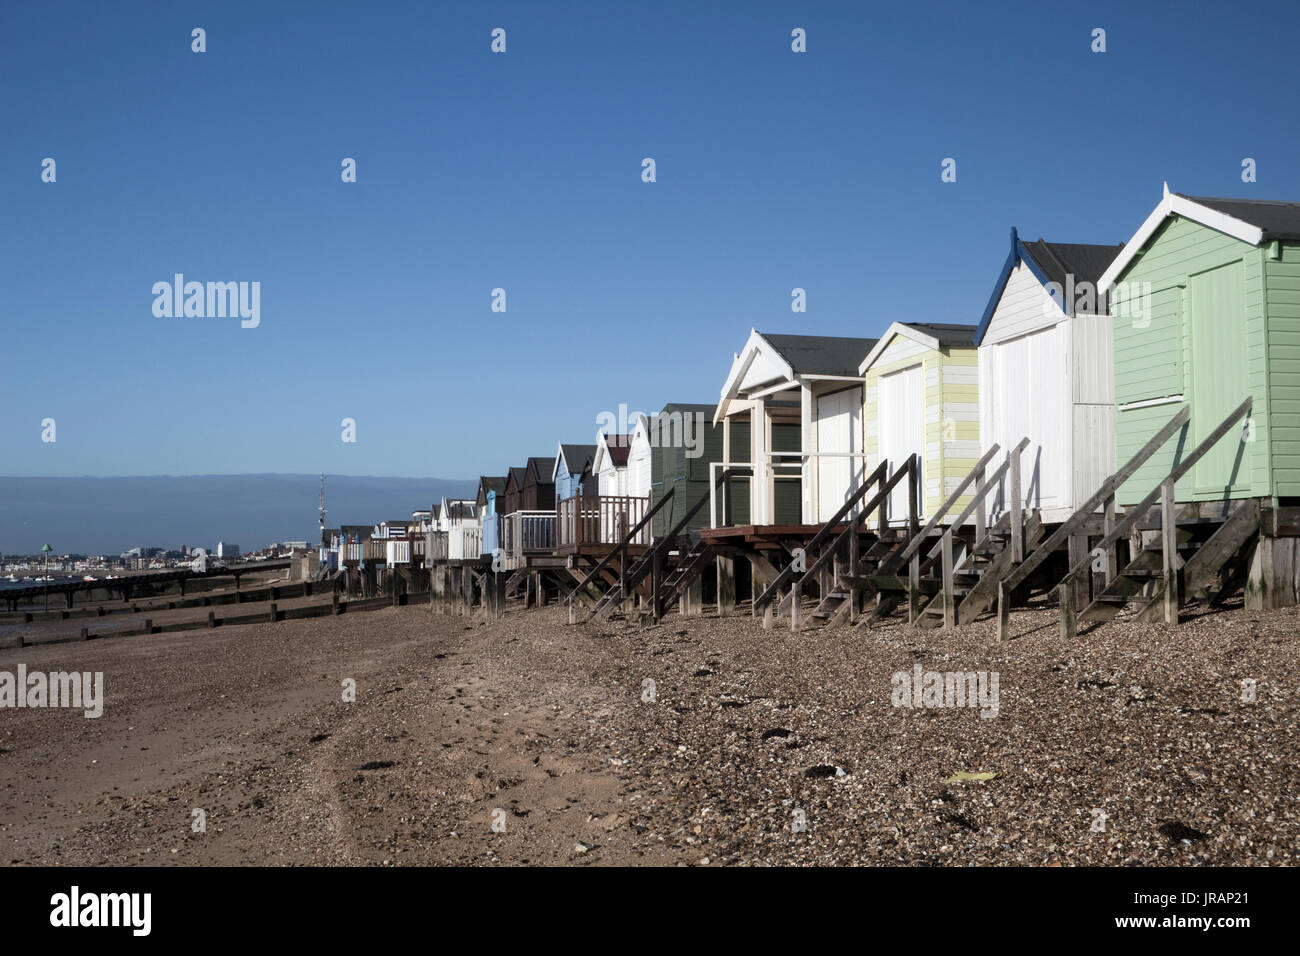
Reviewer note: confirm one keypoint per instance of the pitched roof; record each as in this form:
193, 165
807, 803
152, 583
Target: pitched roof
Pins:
931, 335
945, 333
516, 473
540, 468
1051, 262
577, 456
821, 354
1252, 221
461, 508
1276, 218
1061, 259
492, 483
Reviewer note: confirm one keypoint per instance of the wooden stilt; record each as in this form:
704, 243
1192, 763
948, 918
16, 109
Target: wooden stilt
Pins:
1169, 545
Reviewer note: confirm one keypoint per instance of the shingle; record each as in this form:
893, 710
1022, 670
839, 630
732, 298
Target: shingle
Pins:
1083, 261
946, 333
821, 354
1277, 218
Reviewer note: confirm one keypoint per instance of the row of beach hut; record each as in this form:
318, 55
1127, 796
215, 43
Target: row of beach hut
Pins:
1119, 425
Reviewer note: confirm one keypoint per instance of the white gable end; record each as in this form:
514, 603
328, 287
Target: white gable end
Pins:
1024, 307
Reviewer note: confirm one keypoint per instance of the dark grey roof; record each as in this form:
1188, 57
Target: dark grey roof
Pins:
577, 457
822, 354
492, 483
945, 333
542, 468
1278, 219
460, 508
517, 472
1061, 259
691, 407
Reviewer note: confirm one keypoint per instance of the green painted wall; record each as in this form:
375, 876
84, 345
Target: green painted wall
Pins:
1157, 357
1282, 304
671, 468
788, 503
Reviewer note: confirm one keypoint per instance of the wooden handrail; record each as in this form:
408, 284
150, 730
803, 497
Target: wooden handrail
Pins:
914, 545
983, 489
1183, 467
876, 477
872, 505
604, 562
1086, 510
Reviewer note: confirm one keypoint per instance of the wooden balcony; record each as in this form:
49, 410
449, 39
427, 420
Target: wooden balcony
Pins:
527, 532
599, 522
465, 543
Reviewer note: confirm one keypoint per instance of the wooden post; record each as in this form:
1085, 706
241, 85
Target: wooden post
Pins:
1107, 526
334, 603
981, 512
949, 589
855, 563
656, 586
1004, 611
212, 619
148, 625
796, 602
1077, 551
1066, 592
693, 596
726, 568
914, 589
1017, 513
882, 522
274, 616
1169, 545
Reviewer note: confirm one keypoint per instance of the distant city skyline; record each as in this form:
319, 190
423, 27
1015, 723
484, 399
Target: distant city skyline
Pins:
111, 515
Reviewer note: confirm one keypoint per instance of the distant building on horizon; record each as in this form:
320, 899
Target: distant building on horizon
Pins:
227, 550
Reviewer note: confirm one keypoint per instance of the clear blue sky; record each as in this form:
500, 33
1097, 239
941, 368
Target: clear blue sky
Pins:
522, 171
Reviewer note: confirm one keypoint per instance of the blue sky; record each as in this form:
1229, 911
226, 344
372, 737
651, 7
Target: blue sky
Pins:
522, 171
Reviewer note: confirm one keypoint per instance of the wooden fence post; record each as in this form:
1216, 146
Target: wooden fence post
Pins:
1066, 592
1017, 513
949, 589
1169, 545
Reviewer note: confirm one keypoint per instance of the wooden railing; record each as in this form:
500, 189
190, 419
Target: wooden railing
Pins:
435, 546
599, 520
526, 532
465, 543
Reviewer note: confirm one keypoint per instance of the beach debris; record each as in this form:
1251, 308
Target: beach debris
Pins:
963, 775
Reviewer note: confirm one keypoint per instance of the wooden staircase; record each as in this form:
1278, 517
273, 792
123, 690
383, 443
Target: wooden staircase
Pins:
690, 565
967, 559
1183, 559
652, 562
838, 602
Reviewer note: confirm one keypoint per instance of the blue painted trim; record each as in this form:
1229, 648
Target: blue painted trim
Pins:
1017, 254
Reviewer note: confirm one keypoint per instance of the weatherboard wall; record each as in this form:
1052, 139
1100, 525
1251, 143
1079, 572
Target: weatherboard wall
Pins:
951, 428
1164, 357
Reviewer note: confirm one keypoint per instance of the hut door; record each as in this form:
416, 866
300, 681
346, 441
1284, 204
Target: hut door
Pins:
839, 432
1216, 302
902, 431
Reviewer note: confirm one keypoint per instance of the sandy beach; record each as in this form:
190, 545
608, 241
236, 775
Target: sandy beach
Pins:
528, 741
